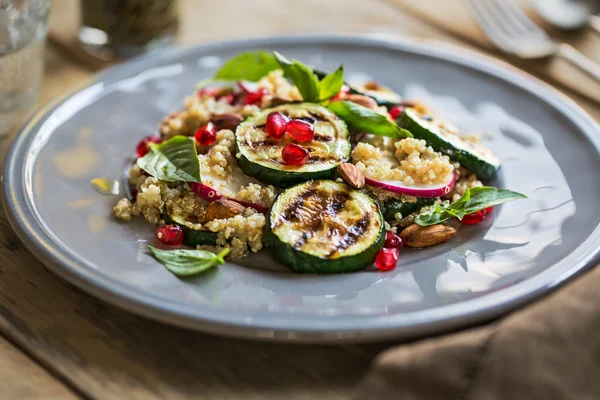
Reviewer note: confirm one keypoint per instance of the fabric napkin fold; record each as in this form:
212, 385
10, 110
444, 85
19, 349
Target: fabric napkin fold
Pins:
550, 350
456, 17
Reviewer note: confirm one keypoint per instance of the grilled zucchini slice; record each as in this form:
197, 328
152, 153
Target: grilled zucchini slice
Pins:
473, 156
259, 155
324, 227
192, 237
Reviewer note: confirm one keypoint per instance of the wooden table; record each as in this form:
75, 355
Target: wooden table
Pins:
59, 343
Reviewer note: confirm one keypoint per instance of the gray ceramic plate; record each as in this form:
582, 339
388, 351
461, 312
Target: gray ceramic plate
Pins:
549, 148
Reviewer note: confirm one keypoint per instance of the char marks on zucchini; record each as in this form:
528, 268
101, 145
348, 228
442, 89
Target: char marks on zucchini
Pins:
260, 155
323, 227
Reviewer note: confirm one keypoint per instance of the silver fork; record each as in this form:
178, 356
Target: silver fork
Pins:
512, 31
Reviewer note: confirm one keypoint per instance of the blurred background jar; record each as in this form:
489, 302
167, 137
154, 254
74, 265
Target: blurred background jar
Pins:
126, 28
23, 29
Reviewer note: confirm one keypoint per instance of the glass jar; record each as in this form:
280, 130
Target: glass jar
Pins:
126, 28
23, 29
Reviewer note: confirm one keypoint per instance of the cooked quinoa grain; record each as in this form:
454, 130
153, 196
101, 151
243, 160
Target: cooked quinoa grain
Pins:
408, 160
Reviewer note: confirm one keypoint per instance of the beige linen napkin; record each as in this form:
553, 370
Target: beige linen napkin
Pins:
550, 350
455, 16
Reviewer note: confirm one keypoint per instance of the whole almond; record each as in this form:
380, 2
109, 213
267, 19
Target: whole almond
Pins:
226, 121
223, 209
425, 236
351, 175
364, 101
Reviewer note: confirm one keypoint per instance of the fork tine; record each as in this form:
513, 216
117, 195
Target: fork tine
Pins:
497, 17
491, 26
505, 13
518, 18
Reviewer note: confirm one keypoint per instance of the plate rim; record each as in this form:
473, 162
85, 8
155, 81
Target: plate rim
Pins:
399, 326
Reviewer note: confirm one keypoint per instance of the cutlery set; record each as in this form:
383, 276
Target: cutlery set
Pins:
509, 29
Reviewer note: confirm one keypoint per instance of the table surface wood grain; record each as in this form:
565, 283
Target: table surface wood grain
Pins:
57, 342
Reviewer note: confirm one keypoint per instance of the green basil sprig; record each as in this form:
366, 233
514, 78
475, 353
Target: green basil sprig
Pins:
363, 119
183, 262
476, 199
310, 87
248, 66
174, 160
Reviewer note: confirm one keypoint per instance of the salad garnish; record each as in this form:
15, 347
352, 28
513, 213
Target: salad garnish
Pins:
185, 262
174, 160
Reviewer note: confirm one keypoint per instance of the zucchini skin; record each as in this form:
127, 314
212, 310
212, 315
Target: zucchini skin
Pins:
393, 207
304, 263
193, 237
469, 160
278, 178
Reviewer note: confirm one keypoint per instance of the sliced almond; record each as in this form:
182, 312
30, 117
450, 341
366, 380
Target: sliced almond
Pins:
362, 100
223, 209
425, 236
226, 121
351, 175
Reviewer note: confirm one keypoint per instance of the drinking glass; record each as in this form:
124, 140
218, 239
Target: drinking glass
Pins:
127, 28
23, 28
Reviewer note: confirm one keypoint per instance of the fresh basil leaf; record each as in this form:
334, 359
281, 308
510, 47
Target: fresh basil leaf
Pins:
174, 160
483, 197
460, 202
183, 262
331, 84
301, 76
363, 119
476, 199
249, 66
431, 218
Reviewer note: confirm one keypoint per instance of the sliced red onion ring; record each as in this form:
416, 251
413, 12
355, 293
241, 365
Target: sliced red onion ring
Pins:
424, 191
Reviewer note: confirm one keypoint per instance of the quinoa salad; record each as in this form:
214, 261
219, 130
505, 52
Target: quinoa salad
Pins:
328, 176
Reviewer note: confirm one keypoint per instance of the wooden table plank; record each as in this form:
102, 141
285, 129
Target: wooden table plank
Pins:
110, 354
23, 379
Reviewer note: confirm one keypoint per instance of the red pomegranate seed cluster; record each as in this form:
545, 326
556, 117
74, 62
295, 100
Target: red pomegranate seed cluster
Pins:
387, 258
143, 146
294, 154
206, 135
476, 217
278, 125
301, 131
393, 241
171, 235
395, 112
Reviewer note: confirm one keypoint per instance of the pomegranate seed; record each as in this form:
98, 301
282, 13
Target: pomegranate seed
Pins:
342, 93
395, 112
472, 219
206, 135
142, 148
488, 210
294, 154
301, 131
254, 97
171, 235
393, 241
387, 259
275, 125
